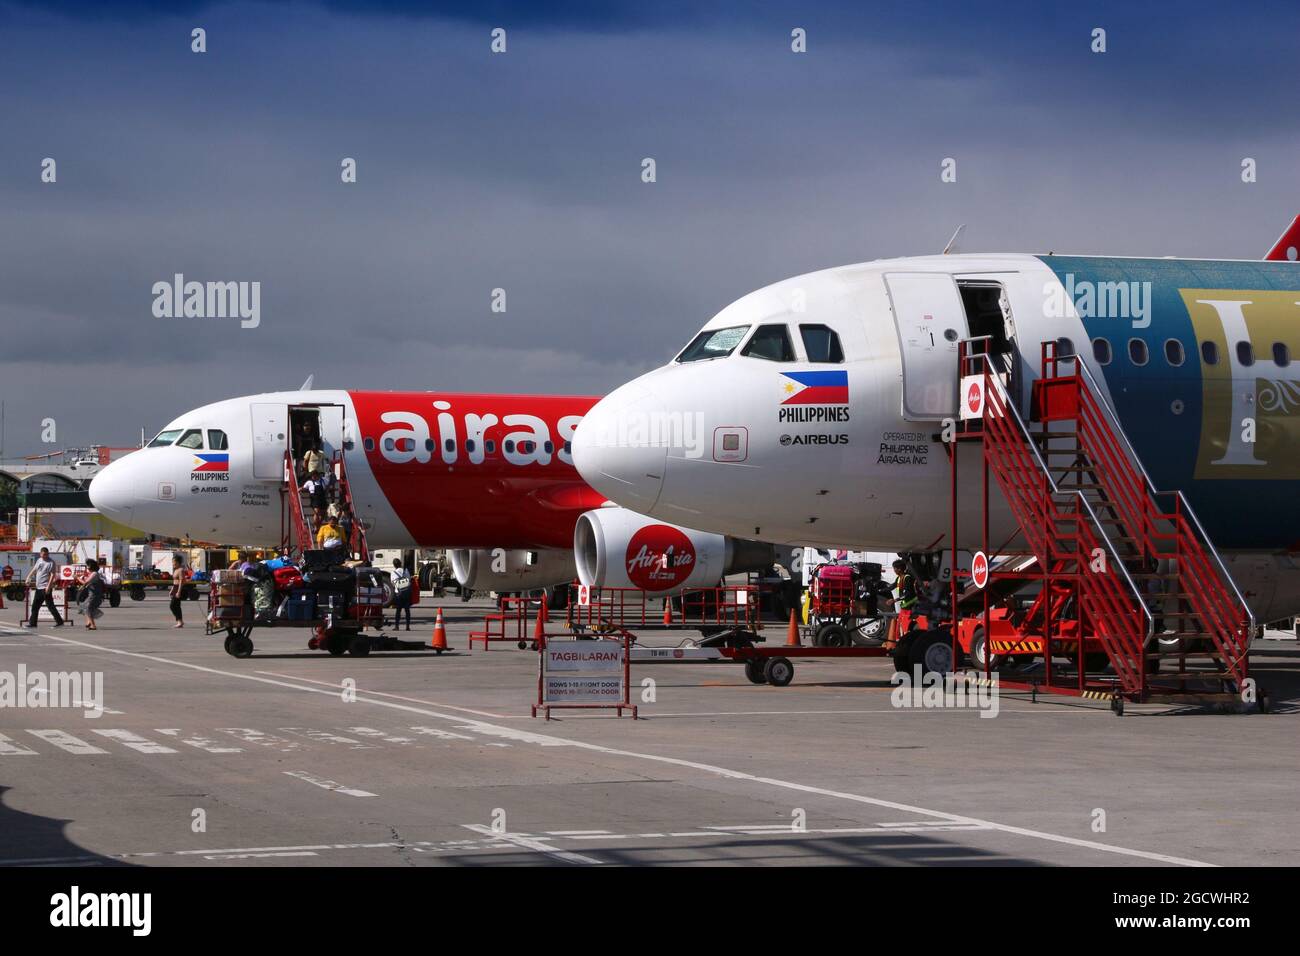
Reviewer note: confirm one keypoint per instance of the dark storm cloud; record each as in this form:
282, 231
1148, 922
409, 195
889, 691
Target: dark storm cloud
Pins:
522, 171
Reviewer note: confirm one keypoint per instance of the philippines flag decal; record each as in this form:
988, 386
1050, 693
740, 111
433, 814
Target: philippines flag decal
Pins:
815, 388
217, 461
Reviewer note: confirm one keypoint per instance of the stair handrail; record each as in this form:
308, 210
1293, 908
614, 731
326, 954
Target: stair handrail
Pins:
358, 529
1135, 460
1056, 490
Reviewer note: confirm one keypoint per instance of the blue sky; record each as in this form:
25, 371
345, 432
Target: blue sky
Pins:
522, 171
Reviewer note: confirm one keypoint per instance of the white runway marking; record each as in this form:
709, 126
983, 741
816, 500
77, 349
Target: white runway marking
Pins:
206, 744
10, 748
548, 740
250, 736
409, 700
328, 784
133, 740
325, 735
536, 844
65, 741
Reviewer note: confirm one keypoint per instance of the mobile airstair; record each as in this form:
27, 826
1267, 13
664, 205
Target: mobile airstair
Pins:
1131, 565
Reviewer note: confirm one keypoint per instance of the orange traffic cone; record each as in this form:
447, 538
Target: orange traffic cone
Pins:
792, 634
539, 629
542, 615
439, 641
668, 613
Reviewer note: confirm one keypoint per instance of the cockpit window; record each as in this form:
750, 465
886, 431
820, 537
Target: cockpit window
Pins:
821, 343
713, 343
217, 439
165, 438
191, 439
771, 342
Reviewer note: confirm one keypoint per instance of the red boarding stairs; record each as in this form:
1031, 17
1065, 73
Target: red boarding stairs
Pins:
1151, 588
300, 535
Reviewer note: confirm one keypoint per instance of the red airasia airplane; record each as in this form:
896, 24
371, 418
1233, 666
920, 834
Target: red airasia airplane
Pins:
489, 477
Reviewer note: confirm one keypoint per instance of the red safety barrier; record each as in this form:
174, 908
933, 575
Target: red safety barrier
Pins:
510, 623
630, 609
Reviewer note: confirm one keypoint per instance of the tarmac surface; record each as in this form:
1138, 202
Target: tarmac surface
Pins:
202, 759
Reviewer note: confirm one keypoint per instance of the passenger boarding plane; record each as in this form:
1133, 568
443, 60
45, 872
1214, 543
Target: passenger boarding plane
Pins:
488, 476
822, 401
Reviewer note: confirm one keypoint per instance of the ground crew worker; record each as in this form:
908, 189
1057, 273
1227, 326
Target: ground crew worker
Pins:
41, 577
904, 599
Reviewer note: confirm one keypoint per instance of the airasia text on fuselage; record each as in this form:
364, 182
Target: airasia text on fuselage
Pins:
520, 439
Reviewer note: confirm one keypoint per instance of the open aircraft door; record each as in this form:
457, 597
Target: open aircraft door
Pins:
331, 429
931, 320
270, 439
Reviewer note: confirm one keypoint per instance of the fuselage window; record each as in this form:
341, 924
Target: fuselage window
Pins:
217, 440
549, 447
1245, 354
491, 446
470, 445
165, 438
1174, 354
527, 447
389, 444
1137, 351
771, 342
1064, 348
509, 447
568, 447
1209, 353
449, 444
1281, 354
370, 444
821, 343
429, 444
192, 439
713, 343
1101, 351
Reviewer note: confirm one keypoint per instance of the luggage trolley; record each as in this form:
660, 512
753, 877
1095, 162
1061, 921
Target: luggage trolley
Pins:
336, 605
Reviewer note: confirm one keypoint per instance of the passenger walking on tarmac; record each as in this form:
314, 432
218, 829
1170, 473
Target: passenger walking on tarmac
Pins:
178, 584
41, 577
92, 595
401, 594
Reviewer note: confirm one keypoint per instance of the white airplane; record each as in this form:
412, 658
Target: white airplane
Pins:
489, 477
823, 398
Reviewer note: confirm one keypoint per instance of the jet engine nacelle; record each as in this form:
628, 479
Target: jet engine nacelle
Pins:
617, 548
503, 569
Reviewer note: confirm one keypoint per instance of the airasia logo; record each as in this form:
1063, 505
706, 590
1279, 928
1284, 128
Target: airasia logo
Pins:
973, 397
979, 569
659, 558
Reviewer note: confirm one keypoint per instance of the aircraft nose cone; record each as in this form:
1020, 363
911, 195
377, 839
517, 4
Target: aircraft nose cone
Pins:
618, 451
112, 492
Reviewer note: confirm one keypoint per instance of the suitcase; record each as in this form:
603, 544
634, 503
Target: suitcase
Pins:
264, 597
300, 606
329, 602
321, 560
329, 580
287, 578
